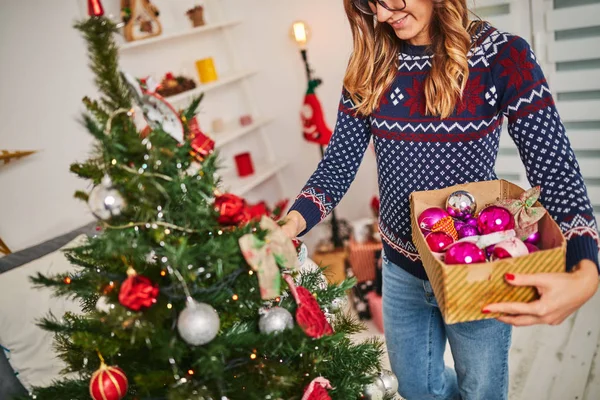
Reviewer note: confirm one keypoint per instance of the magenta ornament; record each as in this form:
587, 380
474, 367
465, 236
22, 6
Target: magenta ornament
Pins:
532, 248
451, 212
471, 221
428, 218
464, 253
534, 238
466, 231
458, 224
438, 241
495, 219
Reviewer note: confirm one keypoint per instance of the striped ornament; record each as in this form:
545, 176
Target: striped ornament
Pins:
108, 383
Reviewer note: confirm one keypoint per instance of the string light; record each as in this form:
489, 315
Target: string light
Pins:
277, 299
67, 280
190, 372
169, 306
250, 272
163, 273
167, 231
253, 356
235, 297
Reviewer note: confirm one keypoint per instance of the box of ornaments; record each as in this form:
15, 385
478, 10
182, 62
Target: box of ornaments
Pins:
469, 236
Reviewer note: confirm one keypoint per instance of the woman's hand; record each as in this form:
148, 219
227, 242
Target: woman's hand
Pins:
294, 223
561, 294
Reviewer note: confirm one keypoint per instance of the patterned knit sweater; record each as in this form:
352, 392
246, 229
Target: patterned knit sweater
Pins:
419, 152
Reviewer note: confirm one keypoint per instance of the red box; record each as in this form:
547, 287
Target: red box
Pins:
244, 165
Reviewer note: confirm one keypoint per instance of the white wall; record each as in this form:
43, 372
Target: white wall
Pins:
44, 75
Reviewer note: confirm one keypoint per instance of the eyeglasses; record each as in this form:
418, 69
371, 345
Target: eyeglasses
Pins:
369, 7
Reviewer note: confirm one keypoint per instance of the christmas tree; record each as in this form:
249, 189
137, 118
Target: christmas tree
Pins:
186, 292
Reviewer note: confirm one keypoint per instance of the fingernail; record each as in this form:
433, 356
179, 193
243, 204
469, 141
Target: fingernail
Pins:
509, 277
485, 311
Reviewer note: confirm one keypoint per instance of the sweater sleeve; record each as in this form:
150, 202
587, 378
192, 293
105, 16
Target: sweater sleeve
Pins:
539, 134
336, 171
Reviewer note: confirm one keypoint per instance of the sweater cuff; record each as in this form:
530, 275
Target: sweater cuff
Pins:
580, 248
310, 212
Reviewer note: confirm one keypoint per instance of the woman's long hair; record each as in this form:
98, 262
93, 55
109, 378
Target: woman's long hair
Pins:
374, 61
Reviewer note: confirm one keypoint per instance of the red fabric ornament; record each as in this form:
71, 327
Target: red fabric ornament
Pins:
313, 120
95, 8
108, 383
309, 315
231, 209
257, 210
137, 292
202, 145
317, 390
244, 165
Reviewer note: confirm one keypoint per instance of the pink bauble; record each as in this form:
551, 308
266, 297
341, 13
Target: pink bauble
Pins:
464, 253
531, 247
451, 212
512, 247
534, 238
495, 219
471, 221
466, 231
458, 224
430, 217
438, 241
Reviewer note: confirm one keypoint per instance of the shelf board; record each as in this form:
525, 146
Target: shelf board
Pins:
241, 186
223, 138
226, 80
171, 36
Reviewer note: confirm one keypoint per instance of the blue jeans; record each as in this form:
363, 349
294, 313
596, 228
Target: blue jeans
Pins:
416, 334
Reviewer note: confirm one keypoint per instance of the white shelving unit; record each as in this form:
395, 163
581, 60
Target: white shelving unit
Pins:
175, 51
192, 31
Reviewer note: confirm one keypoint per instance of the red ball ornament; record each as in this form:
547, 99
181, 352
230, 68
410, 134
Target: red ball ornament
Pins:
431, 216
495, 219
464, 253
137, 292
438, 241
532, 248
108, 383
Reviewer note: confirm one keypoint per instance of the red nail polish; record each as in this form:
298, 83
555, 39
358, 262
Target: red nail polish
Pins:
486, 311
509, 277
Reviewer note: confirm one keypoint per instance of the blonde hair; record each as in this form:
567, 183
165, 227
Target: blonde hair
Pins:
374, 61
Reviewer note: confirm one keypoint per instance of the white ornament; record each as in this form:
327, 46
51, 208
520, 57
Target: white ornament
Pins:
105, 201
276, 319
103, 305
198, 323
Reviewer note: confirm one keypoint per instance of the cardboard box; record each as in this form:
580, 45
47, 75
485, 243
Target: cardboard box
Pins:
462, 290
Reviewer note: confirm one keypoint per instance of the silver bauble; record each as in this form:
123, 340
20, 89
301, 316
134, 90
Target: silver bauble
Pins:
389, 381
103, 305
461, 203
375, 390
276, 319
198, 323
105, 201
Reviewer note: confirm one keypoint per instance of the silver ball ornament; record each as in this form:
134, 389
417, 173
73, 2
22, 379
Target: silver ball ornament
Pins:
105, 201
461, 203
375, 390
198, 323
274, 320
389, 381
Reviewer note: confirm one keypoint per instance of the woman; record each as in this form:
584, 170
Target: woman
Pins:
432, 89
